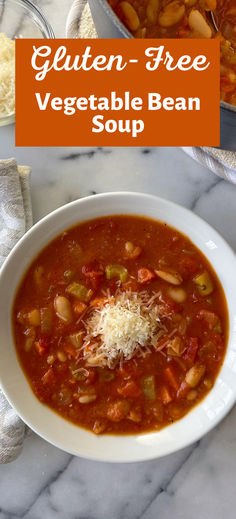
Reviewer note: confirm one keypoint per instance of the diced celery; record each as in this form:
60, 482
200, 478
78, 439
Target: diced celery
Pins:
204, 284
148, 387
46, 319
79, 291
116, 271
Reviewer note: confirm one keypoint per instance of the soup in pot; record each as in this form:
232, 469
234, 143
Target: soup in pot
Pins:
186, 19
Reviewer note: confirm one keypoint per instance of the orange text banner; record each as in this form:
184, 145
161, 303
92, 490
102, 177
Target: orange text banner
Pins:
117, 92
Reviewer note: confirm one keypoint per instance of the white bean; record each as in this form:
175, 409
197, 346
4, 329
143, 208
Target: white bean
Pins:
28, 343
61, 356
130, 16
171, 14
177, 294
34, 317
194, 374
87, 399
63, 308
94, 360
152, 10
170, 276
198, 25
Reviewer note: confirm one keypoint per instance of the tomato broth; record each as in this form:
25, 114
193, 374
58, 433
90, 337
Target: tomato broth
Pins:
120, 325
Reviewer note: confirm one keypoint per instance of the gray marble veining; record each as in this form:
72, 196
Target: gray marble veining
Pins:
197, 482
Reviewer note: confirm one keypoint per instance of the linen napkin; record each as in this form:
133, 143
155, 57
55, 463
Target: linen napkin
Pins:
15, 220
221, 162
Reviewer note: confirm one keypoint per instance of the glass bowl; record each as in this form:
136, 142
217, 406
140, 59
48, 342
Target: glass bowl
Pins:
22, 19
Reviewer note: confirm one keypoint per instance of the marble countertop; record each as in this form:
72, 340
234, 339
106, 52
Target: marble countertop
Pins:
197, 482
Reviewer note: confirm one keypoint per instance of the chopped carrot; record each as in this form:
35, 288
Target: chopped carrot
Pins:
99, 302
171, 378
145, 275
130, 389
166, 395
79, 307
190, 354
41, 346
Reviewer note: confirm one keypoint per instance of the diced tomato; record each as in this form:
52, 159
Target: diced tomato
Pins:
167, 307
118, 411
183, 390
99, 426
210, 319
226, 85
93, 273
171, 377
135, 415
212, 348
42, 345
145, 275
189, 355
48, 377
166, 395
188, 265
130, 389
79, 307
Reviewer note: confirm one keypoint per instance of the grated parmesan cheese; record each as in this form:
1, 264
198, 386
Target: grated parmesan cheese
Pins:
122, 329
7, 75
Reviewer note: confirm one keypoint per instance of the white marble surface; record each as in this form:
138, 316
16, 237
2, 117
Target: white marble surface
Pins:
195, 483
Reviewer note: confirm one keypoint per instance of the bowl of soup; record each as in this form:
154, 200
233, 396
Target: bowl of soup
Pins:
117, 328
179, 19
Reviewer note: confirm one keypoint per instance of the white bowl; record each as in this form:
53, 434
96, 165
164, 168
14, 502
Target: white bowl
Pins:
46, 422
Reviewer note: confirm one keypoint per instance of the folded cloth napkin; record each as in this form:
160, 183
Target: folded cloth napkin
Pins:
15, 220
221, 162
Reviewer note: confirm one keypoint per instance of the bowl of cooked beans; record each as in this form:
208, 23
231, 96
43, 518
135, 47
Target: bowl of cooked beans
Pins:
117, 327
180, 19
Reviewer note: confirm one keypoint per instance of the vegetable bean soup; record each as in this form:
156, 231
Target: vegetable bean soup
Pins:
120, 325
187, 19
